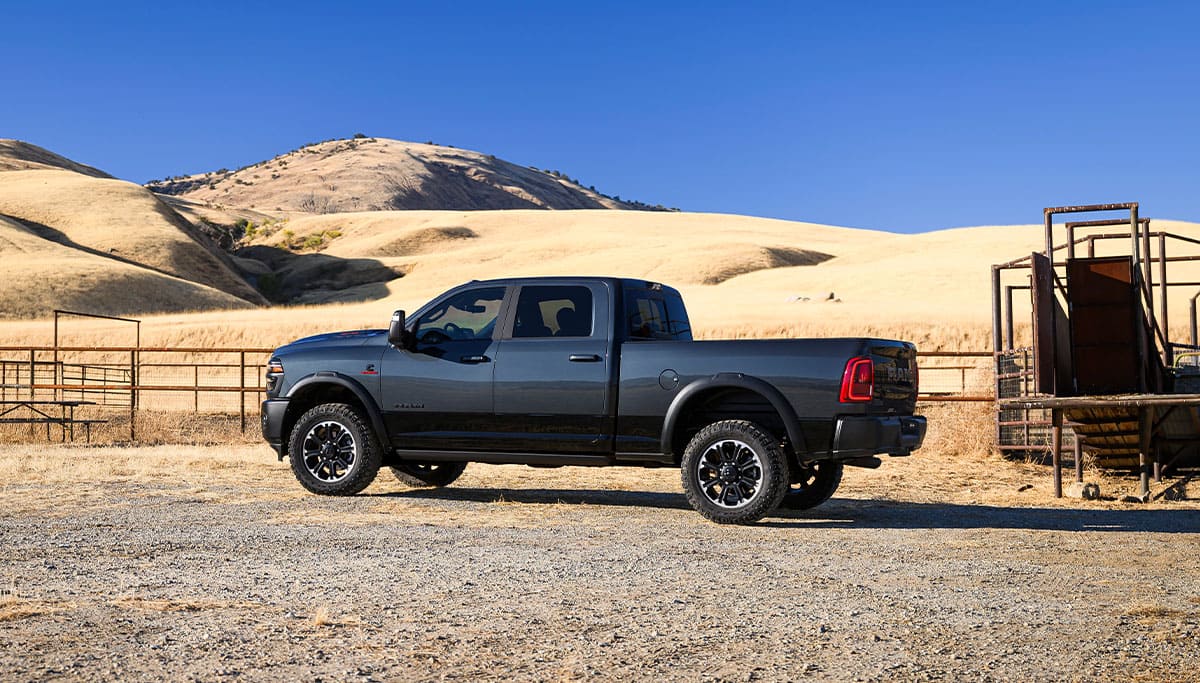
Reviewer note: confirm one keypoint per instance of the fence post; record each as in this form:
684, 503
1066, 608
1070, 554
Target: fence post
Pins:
32, 371
133, 381
196, 383
242, 385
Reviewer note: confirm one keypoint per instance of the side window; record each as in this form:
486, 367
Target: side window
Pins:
466, 316
553, 311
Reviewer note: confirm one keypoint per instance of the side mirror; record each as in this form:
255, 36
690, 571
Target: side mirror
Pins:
397, 334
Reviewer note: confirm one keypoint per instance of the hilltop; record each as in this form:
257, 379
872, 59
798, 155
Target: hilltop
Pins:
17, 155
379, 174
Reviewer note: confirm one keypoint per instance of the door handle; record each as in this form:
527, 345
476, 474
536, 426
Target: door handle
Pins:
474, 359
584, 358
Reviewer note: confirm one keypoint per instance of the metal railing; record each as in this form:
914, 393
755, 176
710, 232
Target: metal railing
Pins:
956, 376
200, 379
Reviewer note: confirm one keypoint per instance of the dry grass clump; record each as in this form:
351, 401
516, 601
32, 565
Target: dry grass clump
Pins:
959, 429
14, 608
324, 616
1153, 610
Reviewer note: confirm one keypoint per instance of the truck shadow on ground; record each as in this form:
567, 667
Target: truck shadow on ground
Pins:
886, 514
846, 513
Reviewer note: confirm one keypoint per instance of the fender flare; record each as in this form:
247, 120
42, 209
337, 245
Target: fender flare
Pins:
374, 414
791, 421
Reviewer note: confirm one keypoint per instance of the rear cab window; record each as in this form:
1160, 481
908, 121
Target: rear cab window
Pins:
655, 312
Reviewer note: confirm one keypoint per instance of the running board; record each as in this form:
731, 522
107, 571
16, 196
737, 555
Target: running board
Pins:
402, 454
870, 462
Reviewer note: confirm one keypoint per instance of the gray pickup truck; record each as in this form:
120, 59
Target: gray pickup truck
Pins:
589, 371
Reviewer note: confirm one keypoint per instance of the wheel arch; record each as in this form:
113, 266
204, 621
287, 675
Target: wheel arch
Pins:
696, 395
330, 387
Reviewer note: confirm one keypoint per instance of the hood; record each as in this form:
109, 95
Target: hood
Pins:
334, 339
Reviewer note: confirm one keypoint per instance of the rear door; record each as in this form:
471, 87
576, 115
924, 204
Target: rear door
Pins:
553, 370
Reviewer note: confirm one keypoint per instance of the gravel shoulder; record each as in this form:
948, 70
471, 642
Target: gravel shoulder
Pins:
194, 562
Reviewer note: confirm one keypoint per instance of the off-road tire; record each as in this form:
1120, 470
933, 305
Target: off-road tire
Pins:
813, 484
734, 472
352, 442
426, 474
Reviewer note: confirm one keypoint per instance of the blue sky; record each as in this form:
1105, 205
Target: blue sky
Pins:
894, 116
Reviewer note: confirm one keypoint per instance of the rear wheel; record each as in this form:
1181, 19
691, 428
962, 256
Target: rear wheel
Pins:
734, 472
813, 484
333, 450
421, 474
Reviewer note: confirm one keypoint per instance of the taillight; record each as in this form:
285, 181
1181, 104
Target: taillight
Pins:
858, 381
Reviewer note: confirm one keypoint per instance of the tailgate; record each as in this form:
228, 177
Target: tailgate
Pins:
895, 375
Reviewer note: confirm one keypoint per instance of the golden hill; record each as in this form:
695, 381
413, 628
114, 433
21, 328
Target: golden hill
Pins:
72, 240
378, 174
433, 249
41, 275
120, 224
16, 155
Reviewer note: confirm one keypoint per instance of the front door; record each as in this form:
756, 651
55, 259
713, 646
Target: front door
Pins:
439, 395
553, 371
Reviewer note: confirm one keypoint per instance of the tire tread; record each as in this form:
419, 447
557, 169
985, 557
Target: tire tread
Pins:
371, 455
775, 471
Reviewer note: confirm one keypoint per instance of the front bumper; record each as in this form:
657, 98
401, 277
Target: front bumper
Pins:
864, 435
273, 410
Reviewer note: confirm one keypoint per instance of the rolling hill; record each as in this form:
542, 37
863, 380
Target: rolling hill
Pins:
41, 275
69, 239
73, 236
378, 174
16, 155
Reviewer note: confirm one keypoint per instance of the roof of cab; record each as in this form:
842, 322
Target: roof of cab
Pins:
624, 281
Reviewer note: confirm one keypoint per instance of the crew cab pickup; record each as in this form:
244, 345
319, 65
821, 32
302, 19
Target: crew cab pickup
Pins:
589, 371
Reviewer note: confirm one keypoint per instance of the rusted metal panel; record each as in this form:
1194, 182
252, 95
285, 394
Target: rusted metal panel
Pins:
1104, 324
1044, 338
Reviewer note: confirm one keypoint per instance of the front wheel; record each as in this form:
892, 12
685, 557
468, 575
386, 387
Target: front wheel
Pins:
734, 472
813, 484
421, 474
333, 450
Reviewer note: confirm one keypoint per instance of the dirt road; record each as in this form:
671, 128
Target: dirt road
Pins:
211, 563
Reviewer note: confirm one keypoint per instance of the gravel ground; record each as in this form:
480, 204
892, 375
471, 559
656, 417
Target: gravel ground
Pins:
212, 564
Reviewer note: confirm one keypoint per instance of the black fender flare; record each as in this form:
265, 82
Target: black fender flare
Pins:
374, 414
791, 421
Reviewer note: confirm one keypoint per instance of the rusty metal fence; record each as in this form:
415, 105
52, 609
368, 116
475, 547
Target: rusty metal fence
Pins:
123, 380
210, 380
957, 376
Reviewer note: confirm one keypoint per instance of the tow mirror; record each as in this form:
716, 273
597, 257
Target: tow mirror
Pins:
397, 334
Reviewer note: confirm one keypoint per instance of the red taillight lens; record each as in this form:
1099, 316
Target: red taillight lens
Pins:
858, 381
